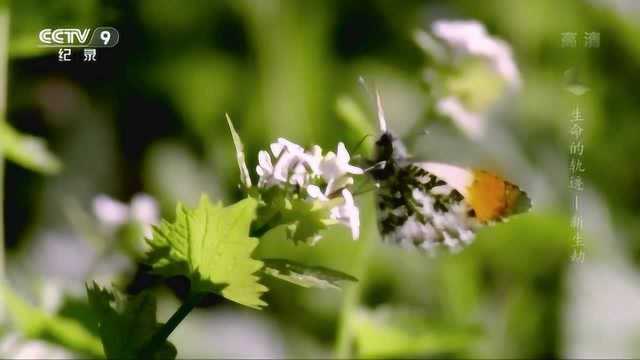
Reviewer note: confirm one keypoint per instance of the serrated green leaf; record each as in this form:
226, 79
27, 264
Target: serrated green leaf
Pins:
305, 275
394, 333
211, 246
37, 324
28, 151
126, 324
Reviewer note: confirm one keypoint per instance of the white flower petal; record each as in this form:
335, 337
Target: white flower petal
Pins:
291, 146
264, 160
144, 208
313, 158
348, 214
329, 166
471, 123
342, 153
276, 149
471, 37
334, 185
354, 170
315, 192
109, 211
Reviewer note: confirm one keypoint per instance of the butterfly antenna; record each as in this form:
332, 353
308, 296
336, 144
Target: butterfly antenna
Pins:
382, 122
355, 149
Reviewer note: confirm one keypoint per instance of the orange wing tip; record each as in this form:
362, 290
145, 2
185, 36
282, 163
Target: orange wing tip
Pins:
493, 198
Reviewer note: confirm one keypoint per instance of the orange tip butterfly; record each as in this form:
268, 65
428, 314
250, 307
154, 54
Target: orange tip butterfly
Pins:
427, 205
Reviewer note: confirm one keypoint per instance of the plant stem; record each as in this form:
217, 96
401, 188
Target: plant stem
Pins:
4, 60
352, 294
161, 335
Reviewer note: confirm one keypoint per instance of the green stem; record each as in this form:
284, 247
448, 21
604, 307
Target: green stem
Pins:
352, 293
161, 335
4, 60
270, 224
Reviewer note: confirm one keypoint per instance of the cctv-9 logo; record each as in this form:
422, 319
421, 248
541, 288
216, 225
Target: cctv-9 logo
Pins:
103, 36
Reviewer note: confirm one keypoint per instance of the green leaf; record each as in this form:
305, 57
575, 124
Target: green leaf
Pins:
304, 220
28, 151
245, 179
392, 333
211, 246
305, 275
126, 324
37, 324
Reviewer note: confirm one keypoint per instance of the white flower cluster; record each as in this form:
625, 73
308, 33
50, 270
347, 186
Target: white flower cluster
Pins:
321, 177
112, 213
471, 38
468, 40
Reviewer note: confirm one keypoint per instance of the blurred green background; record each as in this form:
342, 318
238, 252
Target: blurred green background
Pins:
148, 116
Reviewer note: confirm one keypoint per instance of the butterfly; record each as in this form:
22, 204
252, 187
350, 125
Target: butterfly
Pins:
427, 205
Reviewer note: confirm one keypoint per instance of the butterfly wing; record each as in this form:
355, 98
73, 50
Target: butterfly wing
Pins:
491, 197
426, 204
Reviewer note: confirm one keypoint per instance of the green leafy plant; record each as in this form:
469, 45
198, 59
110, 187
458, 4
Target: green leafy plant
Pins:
212, 246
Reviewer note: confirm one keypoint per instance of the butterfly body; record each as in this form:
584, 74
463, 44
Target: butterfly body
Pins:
426, 204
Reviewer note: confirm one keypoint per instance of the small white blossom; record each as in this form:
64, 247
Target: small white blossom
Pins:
113, 213
335, 166
468, 40
348, 214
289, 167
265, 169
294, 165
313, 158
315, 193
144, 209
471, 37
110, 212
473, 124
323, 178
284, 144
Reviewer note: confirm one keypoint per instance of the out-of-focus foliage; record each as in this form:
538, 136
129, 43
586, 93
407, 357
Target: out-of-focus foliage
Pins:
28, 151
26, 24
37, 324
404, 332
